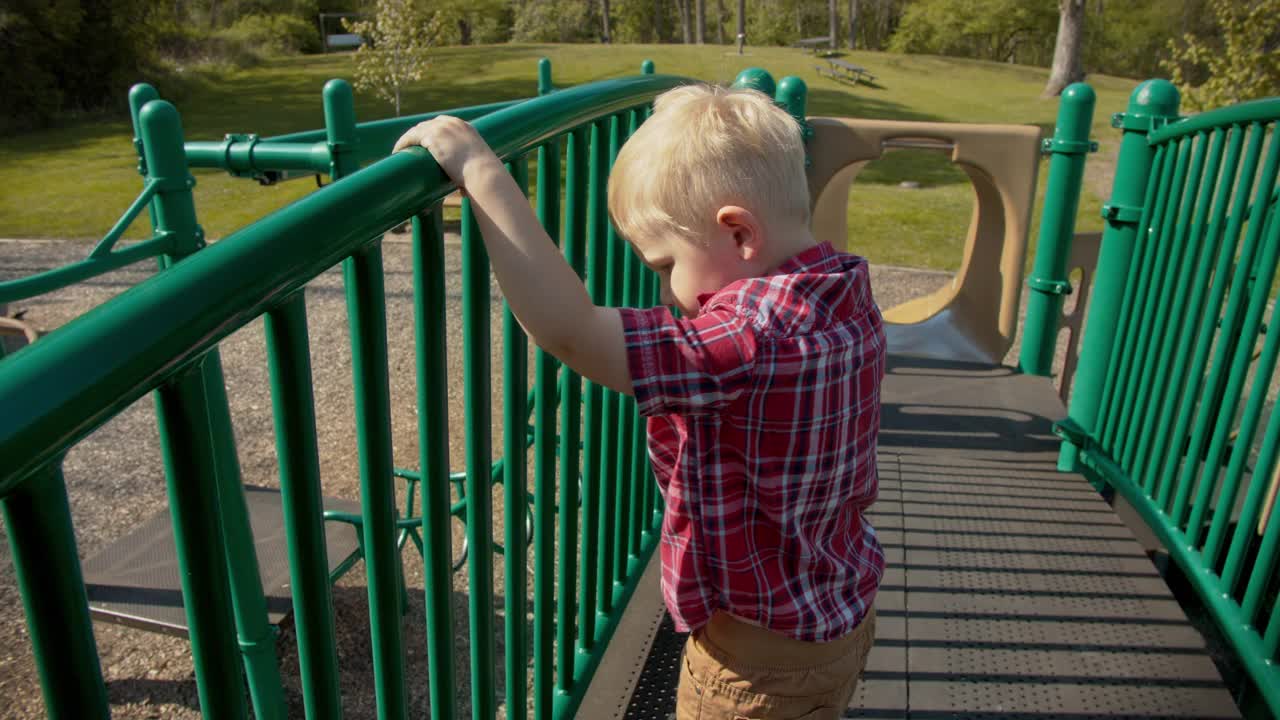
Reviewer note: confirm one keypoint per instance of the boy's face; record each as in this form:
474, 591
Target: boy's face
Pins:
690, 269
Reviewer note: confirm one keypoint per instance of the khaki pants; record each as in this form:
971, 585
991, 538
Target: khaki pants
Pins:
733, 670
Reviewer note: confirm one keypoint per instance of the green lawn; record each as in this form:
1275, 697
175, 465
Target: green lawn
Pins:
75, 180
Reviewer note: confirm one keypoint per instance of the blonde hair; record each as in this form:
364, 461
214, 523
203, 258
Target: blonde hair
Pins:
703, 148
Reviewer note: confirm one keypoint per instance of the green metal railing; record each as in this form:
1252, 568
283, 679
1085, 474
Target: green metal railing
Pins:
595, 514
1180, 352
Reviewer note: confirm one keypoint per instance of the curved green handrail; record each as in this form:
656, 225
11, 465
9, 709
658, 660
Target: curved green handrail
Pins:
81, 375
1265, 110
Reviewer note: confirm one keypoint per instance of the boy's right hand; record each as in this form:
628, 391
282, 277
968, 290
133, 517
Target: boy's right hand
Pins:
455, 145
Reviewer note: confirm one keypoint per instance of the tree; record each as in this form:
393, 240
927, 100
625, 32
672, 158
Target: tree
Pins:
700, 21
853, 24
833, 23
1239, 60
607, 36
395, 47
999, 30
1066, 52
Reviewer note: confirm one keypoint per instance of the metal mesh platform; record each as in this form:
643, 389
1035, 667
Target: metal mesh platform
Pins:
1011, 590
134, 581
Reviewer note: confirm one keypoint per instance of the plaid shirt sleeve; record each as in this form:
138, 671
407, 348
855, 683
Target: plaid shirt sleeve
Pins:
690, 367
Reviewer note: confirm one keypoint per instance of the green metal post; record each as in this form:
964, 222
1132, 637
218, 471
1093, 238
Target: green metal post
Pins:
1069, 148
190, 460
1152, 103
646, 67
544, 459
174, 213
367, 318
38, 519
515, 373
289, 360
479, 518
139, 96
433, 455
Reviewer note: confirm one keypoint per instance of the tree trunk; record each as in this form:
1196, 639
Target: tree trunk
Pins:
853, 24
657, 21
607, 36
1066, 52
464, 32
833, 23
720, 21
742, 25
685, 35
700, 21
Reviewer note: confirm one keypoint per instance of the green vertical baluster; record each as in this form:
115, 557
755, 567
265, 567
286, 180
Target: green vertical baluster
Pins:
570, 426
1148, 313
189, 459
1069, 148
621, 430
1125, 338
433, 455
1201, 323
47, 568
633, 432
1245, 342
1155, 99
515, 482
1195, 277
1260, 579
476, 374
367, 318
173, 211
289, 361
1209, 408
1172, 300
1141, 276
1248, 521
592, 482
609, 468
544, 460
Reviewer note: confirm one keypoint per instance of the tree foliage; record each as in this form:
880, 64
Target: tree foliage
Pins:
1239, 60
999, 30
395, 50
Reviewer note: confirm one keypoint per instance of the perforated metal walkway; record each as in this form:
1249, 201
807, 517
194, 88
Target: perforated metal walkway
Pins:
1011, 590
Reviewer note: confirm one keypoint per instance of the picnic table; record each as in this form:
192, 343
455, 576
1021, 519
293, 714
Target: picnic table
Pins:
841, 70
814, 43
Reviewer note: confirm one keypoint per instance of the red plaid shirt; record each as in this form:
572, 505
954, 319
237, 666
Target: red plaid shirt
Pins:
763, 418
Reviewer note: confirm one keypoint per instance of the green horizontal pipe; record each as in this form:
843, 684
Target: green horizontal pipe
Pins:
1240, 633
29, 287
250, 156
1265, 110
308, 152
75, 379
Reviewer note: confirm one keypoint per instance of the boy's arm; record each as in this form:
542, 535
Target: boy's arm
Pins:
544, 293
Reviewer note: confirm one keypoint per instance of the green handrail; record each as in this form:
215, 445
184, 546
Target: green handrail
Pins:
1169, 399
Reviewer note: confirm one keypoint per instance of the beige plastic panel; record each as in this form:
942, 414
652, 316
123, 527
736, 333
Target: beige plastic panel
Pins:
975, 316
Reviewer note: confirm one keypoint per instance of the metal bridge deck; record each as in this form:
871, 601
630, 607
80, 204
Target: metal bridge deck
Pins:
1011, 590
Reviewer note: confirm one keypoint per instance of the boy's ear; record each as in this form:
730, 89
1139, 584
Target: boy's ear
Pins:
742, 225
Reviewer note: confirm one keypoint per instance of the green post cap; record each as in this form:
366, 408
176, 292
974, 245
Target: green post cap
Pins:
646, 67
756, 79
544, 76
1158, 98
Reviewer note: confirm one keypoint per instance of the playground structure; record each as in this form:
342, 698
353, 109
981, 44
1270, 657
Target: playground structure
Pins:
594, 506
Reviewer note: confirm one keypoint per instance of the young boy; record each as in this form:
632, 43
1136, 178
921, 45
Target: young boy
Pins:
763, 398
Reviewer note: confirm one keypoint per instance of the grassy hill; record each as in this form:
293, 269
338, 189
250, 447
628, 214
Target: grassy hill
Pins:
75, 180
